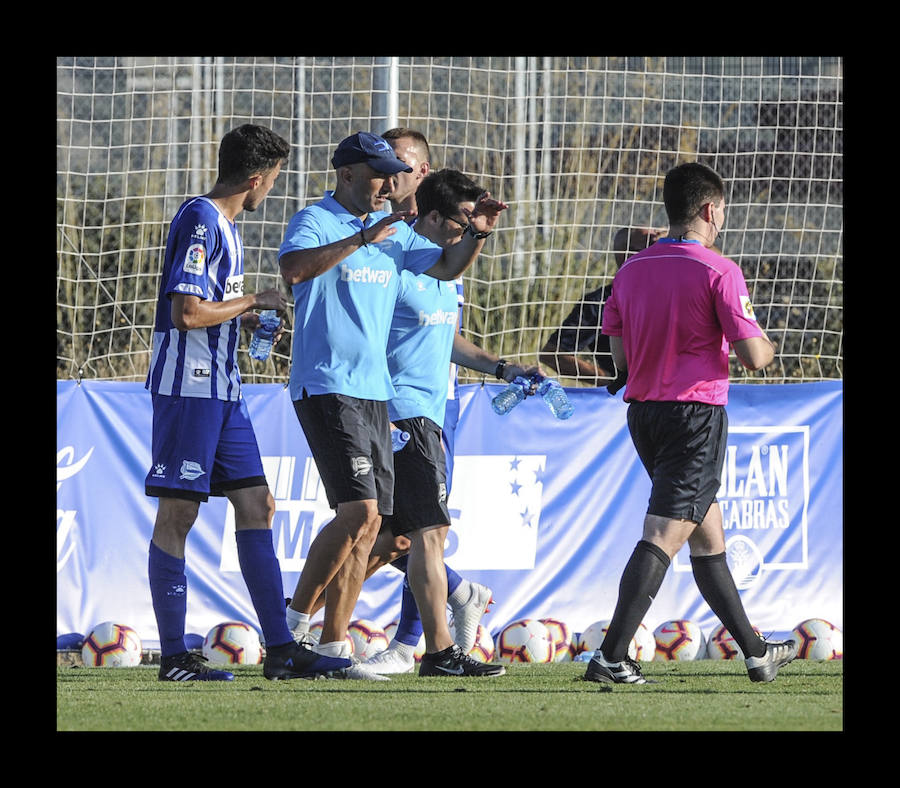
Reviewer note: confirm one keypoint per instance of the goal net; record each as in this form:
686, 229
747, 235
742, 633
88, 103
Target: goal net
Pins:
577, 147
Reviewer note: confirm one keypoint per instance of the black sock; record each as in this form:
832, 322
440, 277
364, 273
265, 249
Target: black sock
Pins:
717, 586
641, 579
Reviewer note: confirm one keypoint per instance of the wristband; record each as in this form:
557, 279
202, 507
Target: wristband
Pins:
476, 235
501, 368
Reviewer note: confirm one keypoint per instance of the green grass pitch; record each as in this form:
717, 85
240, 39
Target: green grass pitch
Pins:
706, 695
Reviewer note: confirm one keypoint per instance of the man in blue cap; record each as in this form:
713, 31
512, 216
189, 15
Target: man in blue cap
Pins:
342, 258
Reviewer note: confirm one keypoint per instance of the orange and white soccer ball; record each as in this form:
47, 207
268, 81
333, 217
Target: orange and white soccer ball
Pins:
232, 643
483, 650
565, 644
525, 640
644, 644
367, 638
112, 645
679, 639
721, 645
818, 639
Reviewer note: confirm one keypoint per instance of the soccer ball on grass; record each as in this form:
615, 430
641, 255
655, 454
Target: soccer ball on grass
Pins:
818, 639
525, 640
680, 639
565, 645
232, 643
367, 637
112, 645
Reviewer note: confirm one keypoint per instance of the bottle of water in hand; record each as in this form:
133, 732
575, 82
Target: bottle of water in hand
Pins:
399, 439
556, 398
511, 396
261, 344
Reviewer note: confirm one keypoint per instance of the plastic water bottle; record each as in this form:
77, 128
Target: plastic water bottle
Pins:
399, 439
511, 396
556, 398
261, 344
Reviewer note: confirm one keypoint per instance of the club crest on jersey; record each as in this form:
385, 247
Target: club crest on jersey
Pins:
194, 259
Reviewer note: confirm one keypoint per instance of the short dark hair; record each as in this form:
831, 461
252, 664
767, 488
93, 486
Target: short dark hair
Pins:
401, 131
444, 190
248, 150
687, 188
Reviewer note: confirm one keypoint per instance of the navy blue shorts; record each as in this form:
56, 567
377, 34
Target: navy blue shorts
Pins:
682, 445
350, 441
202, 447
420, 479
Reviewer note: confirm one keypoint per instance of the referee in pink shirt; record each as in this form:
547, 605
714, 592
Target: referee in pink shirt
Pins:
674, 310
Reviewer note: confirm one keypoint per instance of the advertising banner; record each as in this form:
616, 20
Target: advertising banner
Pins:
545, 512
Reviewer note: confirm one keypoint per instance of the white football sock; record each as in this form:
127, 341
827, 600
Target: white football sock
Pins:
338, 648
298, 623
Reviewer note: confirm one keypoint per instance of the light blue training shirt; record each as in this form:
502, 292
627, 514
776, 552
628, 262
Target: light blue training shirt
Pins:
342, 317
419, 346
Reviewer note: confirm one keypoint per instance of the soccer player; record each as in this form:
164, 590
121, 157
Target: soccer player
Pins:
342, 257
203, 442
468, 600
422, 341
673, 312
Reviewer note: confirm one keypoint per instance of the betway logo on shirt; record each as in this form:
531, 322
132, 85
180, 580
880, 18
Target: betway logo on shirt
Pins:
438, 318
365, 275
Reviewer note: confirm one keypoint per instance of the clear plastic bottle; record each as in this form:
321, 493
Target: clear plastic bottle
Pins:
261, 344
556, 398
399, 439
511, 396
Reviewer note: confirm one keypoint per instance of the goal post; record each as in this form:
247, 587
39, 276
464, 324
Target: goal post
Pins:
577, 147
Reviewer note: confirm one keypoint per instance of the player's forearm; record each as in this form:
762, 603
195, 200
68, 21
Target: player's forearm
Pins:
304, 264
469, 355
456, 258
190, 312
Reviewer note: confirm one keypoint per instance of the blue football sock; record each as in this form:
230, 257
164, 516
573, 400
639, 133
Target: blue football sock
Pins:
262, 574
409, 628
453, 580
168, 592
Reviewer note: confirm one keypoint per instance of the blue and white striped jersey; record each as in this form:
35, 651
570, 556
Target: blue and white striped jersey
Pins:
204, 258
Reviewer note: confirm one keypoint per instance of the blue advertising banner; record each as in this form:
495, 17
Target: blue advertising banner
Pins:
545, 512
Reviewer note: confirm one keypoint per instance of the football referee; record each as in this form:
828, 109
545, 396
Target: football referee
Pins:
674, 310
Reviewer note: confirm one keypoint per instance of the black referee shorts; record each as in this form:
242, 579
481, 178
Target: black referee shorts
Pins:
350, 441
420, 479
682, 446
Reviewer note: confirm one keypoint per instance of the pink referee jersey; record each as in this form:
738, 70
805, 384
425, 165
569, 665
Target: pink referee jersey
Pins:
677, 307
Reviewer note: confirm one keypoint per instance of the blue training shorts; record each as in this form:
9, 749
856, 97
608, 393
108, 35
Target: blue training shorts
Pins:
202, 447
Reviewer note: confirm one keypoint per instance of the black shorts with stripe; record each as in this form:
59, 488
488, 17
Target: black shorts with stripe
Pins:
420, 479
350, 441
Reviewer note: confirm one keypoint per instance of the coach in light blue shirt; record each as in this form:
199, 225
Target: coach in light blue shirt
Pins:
342, 317
342, 257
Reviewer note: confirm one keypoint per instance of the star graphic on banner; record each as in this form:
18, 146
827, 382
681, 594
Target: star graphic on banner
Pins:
515, 487
514, 465
527, 517
539, 475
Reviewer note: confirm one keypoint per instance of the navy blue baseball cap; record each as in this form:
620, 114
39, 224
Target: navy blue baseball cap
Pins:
371, 149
